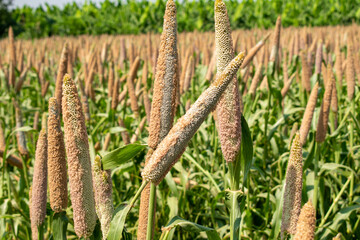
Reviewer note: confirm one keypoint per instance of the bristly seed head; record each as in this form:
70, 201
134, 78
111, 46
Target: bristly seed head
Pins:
293, 188
173, 145
306, 224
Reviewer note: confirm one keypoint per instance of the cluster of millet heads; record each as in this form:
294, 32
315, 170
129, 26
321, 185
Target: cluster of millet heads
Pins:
59, 157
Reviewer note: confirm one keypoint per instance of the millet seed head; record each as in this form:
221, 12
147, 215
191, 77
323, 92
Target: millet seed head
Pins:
293, 188
306, 223
78, 157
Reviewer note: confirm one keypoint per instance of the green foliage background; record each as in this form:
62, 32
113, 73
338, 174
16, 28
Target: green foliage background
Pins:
133, 16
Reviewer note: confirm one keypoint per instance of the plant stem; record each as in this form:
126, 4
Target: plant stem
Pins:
137, 194
149, 232
335, 201
316, 169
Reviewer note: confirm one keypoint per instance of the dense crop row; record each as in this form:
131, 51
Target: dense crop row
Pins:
132, 17
249, 134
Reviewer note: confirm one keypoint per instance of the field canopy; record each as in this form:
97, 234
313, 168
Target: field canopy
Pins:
133, 17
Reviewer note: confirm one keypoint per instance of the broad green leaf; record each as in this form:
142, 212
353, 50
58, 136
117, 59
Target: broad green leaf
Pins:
121, 155
23, 129
178, 222
118, 222
117, 130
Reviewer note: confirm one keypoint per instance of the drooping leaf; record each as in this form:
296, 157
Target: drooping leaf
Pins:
178, 222
121, 155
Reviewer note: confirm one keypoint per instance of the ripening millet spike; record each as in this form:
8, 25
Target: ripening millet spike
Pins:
103, 195
166, 80
293, 188
305, 73
306, 224
144, 206
39, 184
20, 136
174, 144
324, 111
338, 63
318, 57
78, 158
350, 71
131, 88
188, 74
57, 172
111, 77
60, 74
252, 52
12, 49
287, 85
274, 55
255, 81
308, 114
228, 108
115, 94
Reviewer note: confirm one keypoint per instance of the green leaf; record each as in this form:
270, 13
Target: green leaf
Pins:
121, 155
178, 222
23, 129
59, 226
118, 222
117, 130
246, 148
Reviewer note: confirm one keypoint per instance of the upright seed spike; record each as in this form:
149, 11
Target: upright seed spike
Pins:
306, 223
324, 111
103, 195
308, 114
60, 74
174, 144
166, 87
228, 109
56, 160
39, 185
293, 188
79, 167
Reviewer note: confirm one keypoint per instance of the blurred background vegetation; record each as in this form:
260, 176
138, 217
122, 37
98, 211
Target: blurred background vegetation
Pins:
141, 16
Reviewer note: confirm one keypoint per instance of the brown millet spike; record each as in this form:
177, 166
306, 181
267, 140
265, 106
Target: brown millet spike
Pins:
338, 63
60, 74
174, 144
57, 172
39, 185
78, 157
188, 74
147, 105
318, 58
36, 120
130, 84
138, 131
20, 136
253, 51
305, 73
12, 50
293, 188
306, 223
103, 195
166, 80
111, 77
144, 206
308, 114
124, 135
287, 85
274, 55
324, 111
228, 108
115, 94
107, 141
350, 71
255, 81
